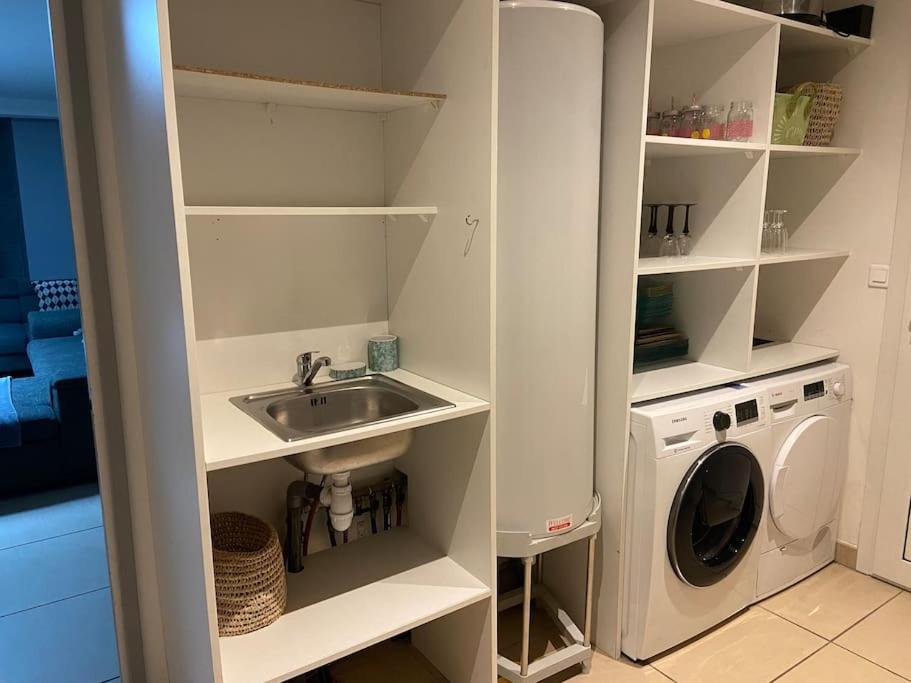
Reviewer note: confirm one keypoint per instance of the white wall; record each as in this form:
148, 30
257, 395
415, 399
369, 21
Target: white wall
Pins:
857, 211
43, 198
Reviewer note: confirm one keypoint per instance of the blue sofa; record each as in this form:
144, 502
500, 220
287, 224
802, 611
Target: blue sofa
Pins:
53, 408
17, 300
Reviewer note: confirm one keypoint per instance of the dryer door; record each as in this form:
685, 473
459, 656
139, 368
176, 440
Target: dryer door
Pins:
803, 492
715, 514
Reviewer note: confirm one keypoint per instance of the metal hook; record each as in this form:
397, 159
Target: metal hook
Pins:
473, 224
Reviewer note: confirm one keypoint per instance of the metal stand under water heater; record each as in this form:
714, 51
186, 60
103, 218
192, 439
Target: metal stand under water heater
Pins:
550, 89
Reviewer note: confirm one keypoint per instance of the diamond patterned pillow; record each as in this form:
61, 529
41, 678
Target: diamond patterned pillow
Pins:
56, 295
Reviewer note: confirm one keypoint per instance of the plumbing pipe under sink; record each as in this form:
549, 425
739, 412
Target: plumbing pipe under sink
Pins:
336, 496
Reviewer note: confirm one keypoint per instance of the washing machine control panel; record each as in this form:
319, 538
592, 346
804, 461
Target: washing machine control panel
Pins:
730, 420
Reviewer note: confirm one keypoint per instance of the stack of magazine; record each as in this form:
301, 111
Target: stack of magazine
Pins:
656, 339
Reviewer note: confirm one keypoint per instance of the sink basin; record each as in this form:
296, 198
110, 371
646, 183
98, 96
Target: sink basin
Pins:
303, 412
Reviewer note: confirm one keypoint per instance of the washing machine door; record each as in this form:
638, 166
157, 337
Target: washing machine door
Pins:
715, 514
803, 491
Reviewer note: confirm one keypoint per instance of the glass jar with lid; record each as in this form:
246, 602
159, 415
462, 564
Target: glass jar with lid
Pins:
691, 122
740, 122
653, 123
713, 122
670, 123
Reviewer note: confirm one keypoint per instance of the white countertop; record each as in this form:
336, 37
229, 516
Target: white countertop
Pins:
231, 437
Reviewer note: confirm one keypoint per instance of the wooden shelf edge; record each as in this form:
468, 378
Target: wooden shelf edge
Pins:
311, 210
314, 84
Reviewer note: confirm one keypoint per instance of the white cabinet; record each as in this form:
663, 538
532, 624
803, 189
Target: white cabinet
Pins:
309, 174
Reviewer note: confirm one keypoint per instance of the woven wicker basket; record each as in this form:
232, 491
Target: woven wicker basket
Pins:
250, 590
824, 112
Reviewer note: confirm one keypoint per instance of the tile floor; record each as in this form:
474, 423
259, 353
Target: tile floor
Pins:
56, 621
836, 626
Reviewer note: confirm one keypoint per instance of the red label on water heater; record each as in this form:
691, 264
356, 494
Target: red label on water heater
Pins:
559, 524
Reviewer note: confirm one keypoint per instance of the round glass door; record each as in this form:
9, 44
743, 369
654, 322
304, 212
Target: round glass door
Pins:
715, 514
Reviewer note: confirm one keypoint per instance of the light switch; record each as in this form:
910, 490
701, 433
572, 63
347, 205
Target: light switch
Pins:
878, 277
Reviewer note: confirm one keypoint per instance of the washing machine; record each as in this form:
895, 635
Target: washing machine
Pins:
695, 502
810, 412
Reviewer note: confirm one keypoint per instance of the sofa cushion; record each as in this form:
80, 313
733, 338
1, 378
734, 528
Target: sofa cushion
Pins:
47, 324
12, 338
57, 358
32, 401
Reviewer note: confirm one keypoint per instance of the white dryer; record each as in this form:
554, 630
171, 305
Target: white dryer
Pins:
695, 499
810, 419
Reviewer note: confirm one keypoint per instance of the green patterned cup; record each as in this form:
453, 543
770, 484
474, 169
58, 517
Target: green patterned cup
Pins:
383, 353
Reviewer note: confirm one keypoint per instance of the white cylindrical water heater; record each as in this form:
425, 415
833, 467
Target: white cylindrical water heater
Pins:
547, 249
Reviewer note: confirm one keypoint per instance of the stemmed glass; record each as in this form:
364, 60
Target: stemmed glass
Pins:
684, 241
774, 234
670, 247
650, 248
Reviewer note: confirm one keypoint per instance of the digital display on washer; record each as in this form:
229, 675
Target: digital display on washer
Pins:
746, 412
814, 390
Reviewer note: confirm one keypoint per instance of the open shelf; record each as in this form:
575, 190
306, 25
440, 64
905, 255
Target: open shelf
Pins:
232, 438
797, 255
797, 151
685, 264
190, 81
660, 147
776, 357
349, 598
311, 210
679, 378
683, 377
692, 20
803, 39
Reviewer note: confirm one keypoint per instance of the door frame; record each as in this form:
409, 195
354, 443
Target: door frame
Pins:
122, 476
896, 332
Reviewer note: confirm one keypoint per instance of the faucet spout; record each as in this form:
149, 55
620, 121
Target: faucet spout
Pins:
307, 367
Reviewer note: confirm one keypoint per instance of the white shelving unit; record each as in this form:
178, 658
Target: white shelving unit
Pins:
726, 293
351, 598
251, 176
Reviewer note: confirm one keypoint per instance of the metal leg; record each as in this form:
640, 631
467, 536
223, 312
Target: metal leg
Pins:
526, 614
589, 583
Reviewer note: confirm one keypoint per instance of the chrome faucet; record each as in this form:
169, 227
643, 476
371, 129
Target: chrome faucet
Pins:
307, 368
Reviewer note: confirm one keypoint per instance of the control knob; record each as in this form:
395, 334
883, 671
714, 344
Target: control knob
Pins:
721, 421
838, 388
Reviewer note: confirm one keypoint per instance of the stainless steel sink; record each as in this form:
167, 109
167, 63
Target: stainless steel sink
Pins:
302, 412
